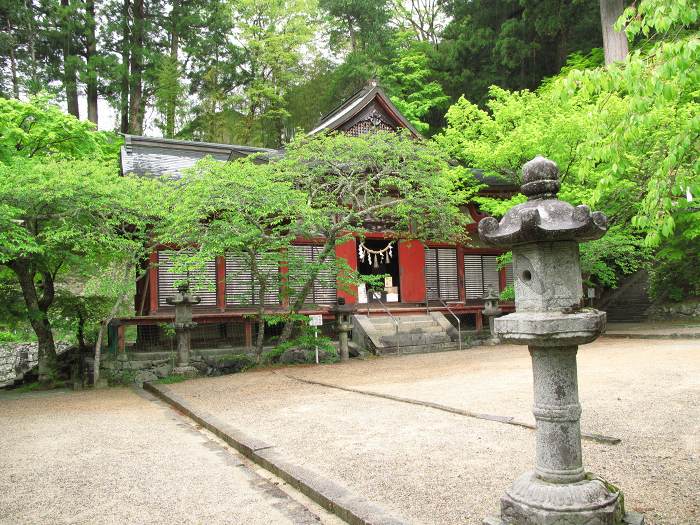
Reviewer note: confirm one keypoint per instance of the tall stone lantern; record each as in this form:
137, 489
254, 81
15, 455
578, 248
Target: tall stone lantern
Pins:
183, 302
491, 310
544, 234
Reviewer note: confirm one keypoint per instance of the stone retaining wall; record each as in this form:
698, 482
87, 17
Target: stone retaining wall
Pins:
17, 358
688, 310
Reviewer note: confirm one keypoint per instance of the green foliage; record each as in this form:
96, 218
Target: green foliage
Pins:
625, 138
64, 210
675, 275
308, 341
39, 128
511, 43
507, 294
407, 79
16, 336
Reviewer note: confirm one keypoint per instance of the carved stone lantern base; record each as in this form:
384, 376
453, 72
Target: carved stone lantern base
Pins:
533, 501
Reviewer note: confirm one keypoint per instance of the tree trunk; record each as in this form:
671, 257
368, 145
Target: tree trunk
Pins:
171, 104
37, 308
614, 42
91, 57
13, 66
301, 297
353, 36
124, 95
70, 69
262, 283
103, 326
136, 71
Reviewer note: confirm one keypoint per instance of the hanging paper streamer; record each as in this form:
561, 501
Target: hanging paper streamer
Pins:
374, 256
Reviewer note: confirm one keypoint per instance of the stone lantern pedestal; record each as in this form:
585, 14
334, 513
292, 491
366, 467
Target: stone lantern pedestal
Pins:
544, 234
344, 326
491, 310
183, 302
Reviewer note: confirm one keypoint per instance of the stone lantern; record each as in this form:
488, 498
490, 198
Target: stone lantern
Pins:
343, 325
491, 310
183, 302
544, 234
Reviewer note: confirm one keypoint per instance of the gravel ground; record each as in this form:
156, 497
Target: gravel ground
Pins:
434, 467
118, 456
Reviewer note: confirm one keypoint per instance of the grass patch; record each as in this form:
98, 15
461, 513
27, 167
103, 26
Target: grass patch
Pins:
169, 380
27, 387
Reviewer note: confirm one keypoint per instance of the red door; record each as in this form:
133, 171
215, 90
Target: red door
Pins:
412, 272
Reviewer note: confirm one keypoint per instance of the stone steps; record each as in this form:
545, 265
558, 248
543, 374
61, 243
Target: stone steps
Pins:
416, 333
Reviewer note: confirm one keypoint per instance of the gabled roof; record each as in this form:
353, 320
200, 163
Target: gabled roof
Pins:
361, 100
156, 157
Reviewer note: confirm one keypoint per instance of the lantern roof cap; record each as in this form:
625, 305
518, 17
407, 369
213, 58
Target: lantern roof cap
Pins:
543, 217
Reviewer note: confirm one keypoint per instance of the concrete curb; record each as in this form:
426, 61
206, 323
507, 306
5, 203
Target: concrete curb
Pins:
337, 499
508, 420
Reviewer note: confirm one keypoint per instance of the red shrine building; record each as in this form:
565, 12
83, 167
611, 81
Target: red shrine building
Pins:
433, 277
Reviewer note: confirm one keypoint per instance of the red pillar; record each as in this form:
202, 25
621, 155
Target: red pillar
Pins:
221, 283
153, 282
348, 252
502, 278
412, 271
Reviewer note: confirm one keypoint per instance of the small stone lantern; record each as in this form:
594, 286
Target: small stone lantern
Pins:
544, 234
344, 326
491, 310
183, 325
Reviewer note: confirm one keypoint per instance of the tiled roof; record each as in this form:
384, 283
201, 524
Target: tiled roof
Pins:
156, 157
355, 104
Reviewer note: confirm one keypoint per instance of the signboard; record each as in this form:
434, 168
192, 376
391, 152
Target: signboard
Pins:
316, 320
362, 293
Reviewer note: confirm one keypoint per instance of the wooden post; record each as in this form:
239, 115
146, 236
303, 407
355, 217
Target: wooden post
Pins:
248, 333
221, 283
460, 274
284, 278
479, 320
121, 341
153, 282
502, 278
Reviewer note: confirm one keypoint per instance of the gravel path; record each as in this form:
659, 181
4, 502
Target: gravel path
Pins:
117, 456
435, 467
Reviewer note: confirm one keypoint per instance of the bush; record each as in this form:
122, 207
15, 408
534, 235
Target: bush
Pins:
306, 341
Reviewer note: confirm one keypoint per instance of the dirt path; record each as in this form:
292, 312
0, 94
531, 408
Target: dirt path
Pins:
118, 456
435, 467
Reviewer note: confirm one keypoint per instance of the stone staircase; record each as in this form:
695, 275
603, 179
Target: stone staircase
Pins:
629, 303
416, 334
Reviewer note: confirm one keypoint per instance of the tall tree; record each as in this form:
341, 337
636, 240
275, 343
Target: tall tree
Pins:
614, 42
68, 15
381, 176
63, 207
136, 67
273, 36
356, 23
511, 43
91, 60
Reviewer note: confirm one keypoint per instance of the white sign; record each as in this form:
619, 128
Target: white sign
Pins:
316, 320
361, 293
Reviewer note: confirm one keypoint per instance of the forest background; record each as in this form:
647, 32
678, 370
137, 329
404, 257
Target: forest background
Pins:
610, 90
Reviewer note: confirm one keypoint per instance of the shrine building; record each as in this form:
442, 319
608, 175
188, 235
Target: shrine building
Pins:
430, 277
